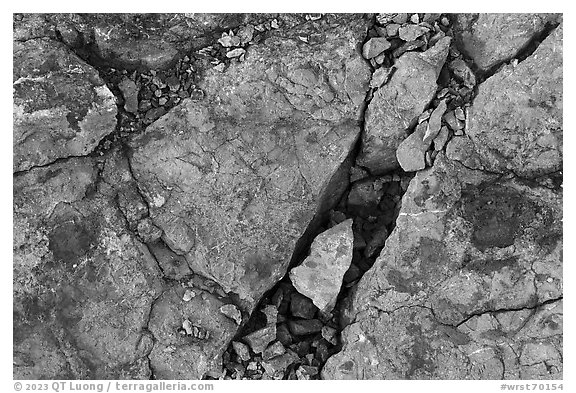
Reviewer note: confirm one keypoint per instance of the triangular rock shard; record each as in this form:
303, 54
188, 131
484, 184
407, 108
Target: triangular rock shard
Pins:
320, 276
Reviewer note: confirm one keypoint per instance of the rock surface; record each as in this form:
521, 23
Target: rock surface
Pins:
62, 107
490, 39
234, 181
471, 254
142, 41
516, 119
397, 104
319, 277
168, 168
77, 268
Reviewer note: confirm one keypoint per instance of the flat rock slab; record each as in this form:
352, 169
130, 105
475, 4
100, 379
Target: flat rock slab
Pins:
491, 39
320, 276
83, 283
397, 104
61, 106
515, 122
466, 244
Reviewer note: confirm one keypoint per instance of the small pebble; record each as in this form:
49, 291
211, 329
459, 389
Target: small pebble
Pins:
188, 327
235, 53
188, 295
232, 312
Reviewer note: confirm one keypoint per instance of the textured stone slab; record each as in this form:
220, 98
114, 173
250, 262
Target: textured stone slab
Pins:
490, 39
516, 119
83, 283
61, 106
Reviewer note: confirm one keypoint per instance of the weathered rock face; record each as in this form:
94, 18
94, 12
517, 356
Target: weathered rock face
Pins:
61, 106
319, 277
143, 41
83, 283
234, 181
491, 39
469, 284
188, 356
515, 122
467, 247
397, 104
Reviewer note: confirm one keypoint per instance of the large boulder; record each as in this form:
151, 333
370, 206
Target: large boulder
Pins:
83, 283
62, 107
235, 180
396, 106
491, 39
515, 122
468, 283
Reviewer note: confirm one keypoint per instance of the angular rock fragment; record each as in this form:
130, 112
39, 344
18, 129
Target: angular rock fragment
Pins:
319, 277
490, 39
130, 92
411, 32
273, 350
515, 121
462, 72
435, 122
397, 104
61, 106
231, 311
241, 350
278, 365
374, 47
329, 334
260, 339
441, 138
410, 153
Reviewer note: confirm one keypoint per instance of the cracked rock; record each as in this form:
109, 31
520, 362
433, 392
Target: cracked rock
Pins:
490, 39
466, 244
330, 252
80, 271
398, 104
515, 121
244, 204
61, 106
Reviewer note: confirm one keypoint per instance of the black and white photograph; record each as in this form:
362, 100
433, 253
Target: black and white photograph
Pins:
287, 196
